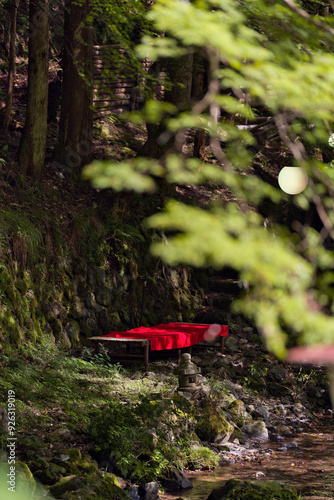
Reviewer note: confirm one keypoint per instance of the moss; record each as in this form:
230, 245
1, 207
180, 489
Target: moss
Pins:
97, 484
212, 425
238, 412
79, 464
74, 453
25, 480
202, 458
65, 484
254, 490
51, 474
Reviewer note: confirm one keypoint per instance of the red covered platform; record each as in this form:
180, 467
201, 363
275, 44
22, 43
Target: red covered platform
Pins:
173, 335
164, 337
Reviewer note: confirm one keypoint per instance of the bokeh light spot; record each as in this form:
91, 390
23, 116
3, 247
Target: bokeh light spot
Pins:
292, 180
212, 332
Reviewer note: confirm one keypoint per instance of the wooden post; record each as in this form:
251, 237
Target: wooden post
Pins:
146, 355
222, 344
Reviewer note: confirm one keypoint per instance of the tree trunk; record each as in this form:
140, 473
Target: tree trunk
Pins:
33, 143
74, 146
199, 82
11, 62
179, 73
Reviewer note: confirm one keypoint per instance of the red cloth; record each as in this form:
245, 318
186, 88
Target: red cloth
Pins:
173, 335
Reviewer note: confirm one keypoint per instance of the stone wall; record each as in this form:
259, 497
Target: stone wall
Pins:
72, 298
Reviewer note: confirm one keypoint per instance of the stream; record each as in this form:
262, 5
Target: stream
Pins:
305, 461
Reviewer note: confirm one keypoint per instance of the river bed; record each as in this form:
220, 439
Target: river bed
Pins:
305, 461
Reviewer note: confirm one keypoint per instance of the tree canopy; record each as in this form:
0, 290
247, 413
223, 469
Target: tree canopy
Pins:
269, 61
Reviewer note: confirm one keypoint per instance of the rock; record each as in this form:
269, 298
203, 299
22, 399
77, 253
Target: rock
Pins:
232, 344
20, 479
149, 491
150, 375
292, 445
256, 430
101, 276
90, 485
238, 412
63, 457
251, 353
176, 481
254, 490
56, 311
51, 475
301, 411
280, 408
185, 483
78, 309
90, 301
88, 326
260, 412
133, 493
103, 320
170, 484
72, 330
223, 363
213, 426
64, 339
67, 483
103, 297
91, 277
277, 374
74, 453
3, 420
62, 433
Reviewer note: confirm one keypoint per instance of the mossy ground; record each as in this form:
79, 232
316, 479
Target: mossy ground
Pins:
58, 398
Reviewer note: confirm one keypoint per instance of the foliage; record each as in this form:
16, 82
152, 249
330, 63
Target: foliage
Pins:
146, 439
14, 224
120, 22
202, 458
256, 70
102, 359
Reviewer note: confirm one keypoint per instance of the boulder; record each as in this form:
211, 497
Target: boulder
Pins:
18, 480
254, 490
277, 373
176, 481
72, 329
212, 425
50, 475
149, 491
103, 297
231, 344
88, 486
256, 430
78, 309
261, 413
238, 412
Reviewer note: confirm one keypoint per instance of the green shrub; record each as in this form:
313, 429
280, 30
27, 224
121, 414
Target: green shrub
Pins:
144, 440
202, 458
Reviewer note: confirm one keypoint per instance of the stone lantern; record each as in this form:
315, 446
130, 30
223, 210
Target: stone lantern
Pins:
187, 372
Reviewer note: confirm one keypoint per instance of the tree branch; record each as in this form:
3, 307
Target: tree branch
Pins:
305, 15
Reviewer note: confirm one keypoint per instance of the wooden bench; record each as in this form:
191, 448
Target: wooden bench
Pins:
142, 344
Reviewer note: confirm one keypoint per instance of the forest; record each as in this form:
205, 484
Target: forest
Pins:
166, 161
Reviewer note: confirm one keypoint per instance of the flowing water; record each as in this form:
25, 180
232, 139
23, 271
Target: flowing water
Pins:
305, 462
